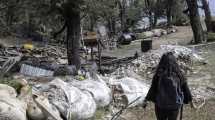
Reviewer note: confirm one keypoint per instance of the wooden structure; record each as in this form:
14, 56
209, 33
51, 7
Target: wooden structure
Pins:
90, 39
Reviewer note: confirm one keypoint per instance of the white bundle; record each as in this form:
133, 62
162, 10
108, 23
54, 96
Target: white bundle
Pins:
73, 103
11, 108
100, 91
134, 89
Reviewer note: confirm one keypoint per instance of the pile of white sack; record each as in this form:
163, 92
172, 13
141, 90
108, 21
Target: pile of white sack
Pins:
73, 99
70, 101
76, 99
100, 91
80, 99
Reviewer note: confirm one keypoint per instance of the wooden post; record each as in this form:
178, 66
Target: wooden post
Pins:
91, 52
99, 54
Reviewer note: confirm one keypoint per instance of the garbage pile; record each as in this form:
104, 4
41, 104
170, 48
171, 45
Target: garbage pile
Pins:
146, 64
38, 61
182, 52
156, 33
8, 58
18, 104
76, 99
44, 61
51, 53
69, 98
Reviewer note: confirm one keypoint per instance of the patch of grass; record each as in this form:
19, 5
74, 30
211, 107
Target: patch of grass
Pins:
211, 37
100, 113
10, 82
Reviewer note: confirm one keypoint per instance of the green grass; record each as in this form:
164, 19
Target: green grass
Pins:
100, 113
10, 82
211, 37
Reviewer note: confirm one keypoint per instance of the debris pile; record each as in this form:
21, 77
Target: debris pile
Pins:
73, 99
43, 61
39, 61
8, 58
182, 52
156, 33
148, 62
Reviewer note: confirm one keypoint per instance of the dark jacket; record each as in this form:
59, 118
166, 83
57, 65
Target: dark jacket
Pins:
152, 94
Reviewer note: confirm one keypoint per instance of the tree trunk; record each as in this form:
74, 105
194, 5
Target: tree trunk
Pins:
195, 21
9, 16
111, 25
73, 36
207, 14
169, 12
155, 19
92, 23
122, 14
109, 28
151, 20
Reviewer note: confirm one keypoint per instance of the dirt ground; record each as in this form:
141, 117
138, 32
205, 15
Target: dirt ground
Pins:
207, 112
183, 36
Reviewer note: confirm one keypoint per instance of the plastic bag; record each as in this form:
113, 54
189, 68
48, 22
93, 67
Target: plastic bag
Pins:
100, 91
69, 100
8, 91
12, 109
134, 89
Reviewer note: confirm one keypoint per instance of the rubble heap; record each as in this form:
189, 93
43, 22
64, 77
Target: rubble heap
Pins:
148, 62
8, 58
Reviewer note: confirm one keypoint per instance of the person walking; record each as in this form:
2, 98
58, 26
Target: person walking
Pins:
169, 89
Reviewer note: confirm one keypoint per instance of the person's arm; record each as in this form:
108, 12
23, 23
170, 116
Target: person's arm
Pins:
187, 94
151, 95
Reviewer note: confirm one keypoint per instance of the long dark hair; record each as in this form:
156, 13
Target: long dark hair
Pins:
168, 67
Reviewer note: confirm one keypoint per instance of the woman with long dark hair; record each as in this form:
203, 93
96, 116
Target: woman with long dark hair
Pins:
169, 89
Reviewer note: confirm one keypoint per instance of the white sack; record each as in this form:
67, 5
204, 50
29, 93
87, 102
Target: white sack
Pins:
70, 101
133, 89
100, 91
